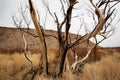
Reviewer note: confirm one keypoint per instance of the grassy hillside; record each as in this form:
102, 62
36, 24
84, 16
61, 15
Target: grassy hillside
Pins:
14, 66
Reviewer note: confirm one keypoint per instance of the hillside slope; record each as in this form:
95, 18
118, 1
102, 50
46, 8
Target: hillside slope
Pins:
11, 41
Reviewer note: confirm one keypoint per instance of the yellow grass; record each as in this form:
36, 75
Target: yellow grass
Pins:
13, 67
106, 69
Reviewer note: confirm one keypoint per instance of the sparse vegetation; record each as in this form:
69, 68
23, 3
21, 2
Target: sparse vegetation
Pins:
49, 65
13, 67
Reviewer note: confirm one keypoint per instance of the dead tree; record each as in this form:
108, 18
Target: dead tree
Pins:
64, 46
103, 18
63, 39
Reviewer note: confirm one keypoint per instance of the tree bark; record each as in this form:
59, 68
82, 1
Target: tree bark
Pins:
41, 37
62, 62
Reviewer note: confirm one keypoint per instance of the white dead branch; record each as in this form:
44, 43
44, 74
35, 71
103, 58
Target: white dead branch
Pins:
77, 64
25, 49
19, 26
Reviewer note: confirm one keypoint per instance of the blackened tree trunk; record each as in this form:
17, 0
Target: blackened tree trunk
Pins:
62, 62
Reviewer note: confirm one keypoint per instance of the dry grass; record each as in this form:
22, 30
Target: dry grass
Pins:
108, 68
105, 69
13, 67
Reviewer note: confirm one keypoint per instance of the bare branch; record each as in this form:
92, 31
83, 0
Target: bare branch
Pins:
63, 8
41, 36
89, 35
97, 10
97, 28
74, 65
57, 21
23, 16
47, 7
25, 54
112, 7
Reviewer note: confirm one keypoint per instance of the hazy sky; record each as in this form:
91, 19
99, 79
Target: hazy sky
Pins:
9, 7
